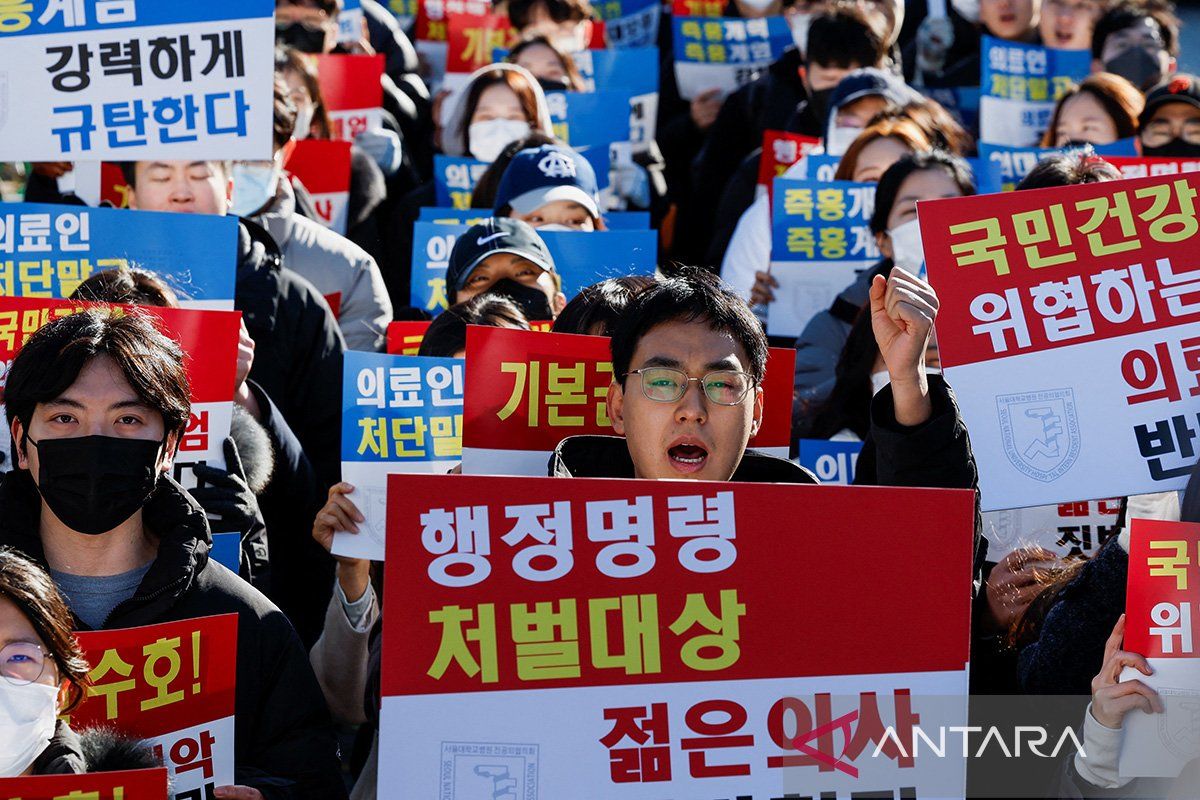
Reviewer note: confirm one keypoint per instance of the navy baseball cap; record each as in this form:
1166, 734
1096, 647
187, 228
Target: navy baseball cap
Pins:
1178, 88
494, 235
870, 82
541, 175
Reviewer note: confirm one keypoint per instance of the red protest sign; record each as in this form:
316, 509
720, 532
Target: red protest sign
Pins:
142, 784
698, 8
1162, 619
527, 391
173, 684
780, 150
323, 166
1143, 167
404, 337
660, 601
353, 92
433, 15
114, 189
473, 38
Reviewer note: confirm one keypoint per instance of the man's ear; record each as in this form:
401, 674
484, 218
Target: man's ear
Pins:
560, 302
20, 451
884, 242
169, 452
616, 407
757, 420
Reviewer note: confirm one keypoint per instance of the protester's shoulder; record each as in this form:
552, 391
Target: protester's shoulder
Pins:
217, 590
326, 244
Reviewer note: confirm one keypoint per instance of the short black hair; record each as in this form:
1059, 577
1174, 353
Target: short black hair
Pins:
1128, 14
52, 358
890, 182
600, 304
689, 295
1069, 169
447, 334
843, 36
519, 11
126, 285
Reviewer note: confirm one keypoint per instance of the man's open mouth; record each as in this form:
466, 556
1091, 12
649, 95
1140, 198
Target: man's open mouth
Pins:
687, 458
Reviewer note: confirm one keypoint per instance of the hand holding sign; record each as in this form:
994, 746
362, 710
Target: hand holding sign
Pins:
903, 308
1111, 700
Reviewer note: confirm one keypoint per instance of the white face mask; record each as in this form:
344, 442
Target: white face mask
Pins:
27, 716
799, 24
555, 226
304, 118
839, 139
757, 5
490, 137
879, 380
967, 9
907, 251
253, 187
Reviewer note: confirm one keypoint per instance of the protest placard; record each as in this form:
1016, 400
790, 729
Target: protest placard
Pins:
725, 53
1065, 529
632, 69
780, 150
530, 390
630, 23
323, 166
613, 220
581, 258
820, 240
1068, 326
404, 337
1020, 85
142, 784
697, 8
634, 639
454, 179
174, 685
133, 80
48, 250
471, 38
405, 12
350, 22
208, 338
353, 92
590, 119
1134, 166
1162, 623
833, 461
1015, 163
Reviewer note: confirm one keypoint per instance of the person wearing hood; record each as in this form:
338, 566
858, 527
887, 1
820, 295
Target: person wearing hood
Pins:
553, 188
791, 95
505, 256
332, 263
1170, 122
1138, 41
97, 404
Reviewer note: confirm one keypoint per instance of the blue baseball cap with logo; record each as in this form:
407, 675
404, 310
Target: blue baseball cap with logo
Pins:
541, 175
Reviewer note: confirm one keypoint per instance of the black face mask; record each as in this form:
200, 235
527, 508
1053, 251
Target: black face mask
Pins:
552, 85
1137, 65
530, 299
302, 37
1176, 148
1076, 144
820, 102
94, 483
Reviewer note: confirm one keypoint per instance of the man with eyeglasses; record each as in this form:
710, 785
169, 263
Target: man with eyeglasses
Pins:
692, 329
1170, 123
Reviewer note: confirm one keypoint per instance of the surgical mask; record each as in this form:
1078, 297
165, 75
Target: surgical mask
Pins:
556, 226
94, 483
27, 717
967, 9
1176, 148
839, 139
530, 299
304, 118
757, 5
907, 251
799, 23
489, 138
302, 37
254, 186
879, 380
1137, 65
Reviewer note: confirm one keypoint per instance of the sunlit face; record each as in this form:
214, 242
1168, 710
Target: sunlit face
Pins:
305, 106
15, 628
926, 184
1014, 20
187, 187
1083, 119
1172, 121
876, 157
1068, 24
820, 77
560, 212
692, 437
568, 36
499, 266
542, 62
860, 112
498, 101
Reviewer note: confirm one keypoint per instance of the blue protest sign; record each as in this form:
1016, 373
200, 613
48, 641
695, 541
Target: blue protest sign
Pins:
831, 461
590, 119
1020, 84
633, 70
1015, 163
613, 220
454, 179
725, 53
630, 23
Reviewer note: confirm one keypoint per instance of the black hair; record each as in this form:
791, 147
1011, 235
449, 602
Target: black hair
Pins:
126, 285
1069, 169
519, 11
52, 358
844, 37
600, 304
689, 295
891, 181
447, 334
849, 403
1128, 14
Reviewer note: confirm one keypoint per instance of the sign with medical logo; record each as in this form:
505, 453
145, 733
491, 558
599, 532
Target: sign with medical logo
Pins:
581, 259
530, 390
1069, 327
142, 784
725, 53
209, 340
353, 92
173, 685
1015, 163
630, 23
131, 80
820, 240
1020, 84
323, 166
630, 637
400, 414
1065, 529
1162, 623
48, 250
